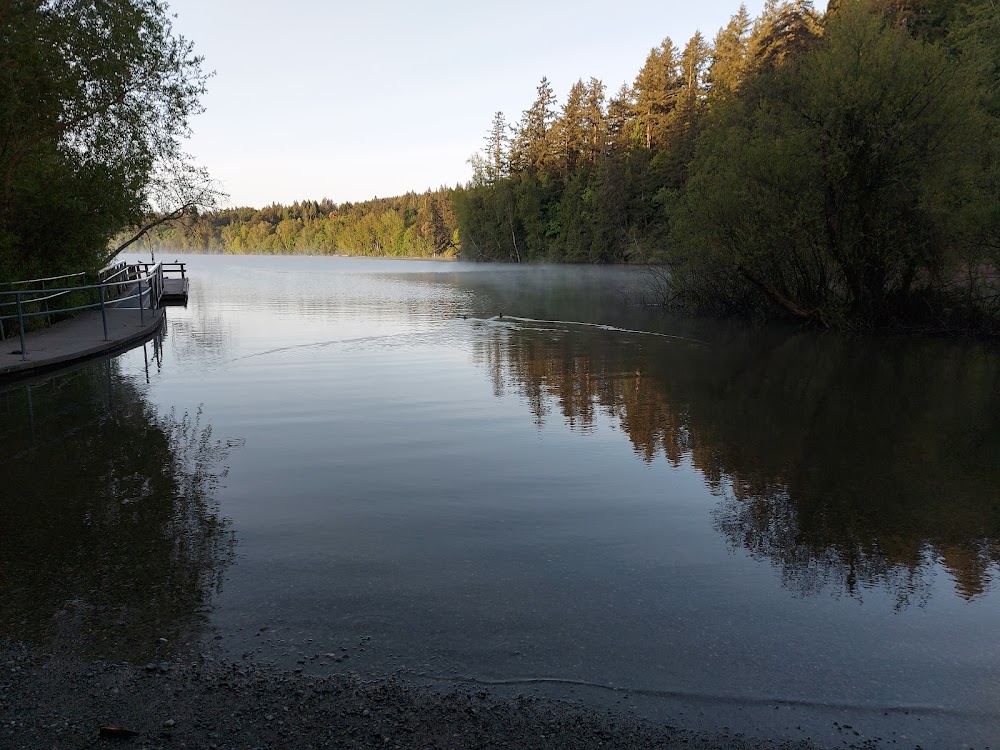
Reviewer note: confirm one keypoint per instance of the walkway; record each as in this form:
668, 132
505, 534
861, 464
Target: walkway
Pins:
79, 338
122, 290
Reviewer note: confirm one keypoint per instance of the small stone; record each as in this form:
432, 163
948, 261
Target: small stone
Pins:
151, 667
169, 723
164, 666
269, 717
366, 712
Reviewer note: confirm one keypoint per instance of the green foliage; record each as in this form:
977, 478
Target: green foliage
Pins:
842, 168
95, 98
830, 188
413, 225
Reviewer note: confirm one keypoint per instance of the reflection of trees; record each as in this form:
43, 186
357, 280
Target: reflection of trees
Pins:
110, 538
846, 463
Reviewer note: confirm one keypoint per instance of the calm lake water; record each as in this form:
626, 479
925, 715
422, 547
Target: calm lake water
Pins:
345, 464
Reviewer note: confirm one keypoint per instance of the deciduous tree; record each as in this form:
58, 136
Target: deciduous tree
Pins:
96, 97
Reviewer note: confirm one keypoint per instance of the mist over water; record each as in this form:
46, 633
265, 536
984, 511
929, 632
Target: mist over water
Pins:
504, 474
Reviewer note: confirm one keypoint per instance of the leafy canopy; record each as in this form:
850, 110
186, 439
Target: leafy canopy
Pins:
95, 99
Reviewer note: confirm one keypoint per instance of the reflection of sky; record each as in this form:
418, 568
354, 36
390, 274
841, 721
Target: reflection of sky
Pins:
385, 490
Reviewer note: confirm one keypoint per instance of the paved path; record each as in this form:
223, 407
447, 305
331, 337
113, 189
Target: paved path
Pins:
79, 338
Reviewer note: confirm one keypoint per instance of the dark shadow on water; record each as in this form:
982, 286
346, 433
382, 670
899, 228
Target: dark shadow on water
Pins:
110, 538
848, 464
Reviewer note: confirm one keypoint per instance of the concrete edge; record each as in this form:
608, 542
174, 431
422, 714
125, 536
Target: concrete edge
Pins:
10, 373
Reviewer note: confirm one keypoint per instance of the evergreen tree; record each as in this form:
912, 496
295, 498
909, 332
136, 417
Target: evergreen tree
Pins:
729, 65
620, 118
656, 89
532, 146
594, 121
570, 130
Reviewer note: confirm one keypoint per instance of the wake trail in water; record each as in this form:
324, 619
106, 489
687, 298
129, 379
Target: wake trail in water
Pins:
534, 322
322, 344
599, 326
704, 697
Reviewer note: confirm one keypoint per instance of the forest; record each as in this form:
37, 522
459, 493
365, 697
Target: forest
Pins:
839, 168
413, 225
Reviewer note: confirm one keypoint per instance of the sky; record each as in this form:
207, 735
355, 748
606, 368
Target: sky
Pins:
352, 100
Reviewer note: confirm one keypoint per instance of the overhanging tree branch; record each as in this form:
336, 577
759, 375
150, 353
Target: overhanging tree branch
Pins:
178, 189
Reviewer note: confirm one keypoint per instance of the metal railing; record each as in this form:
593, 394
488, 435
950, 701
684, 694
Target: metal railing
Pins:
143, 282
41, 282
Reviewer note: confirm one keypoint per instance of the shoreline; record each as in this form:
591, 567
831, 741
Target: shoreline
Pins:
60, 701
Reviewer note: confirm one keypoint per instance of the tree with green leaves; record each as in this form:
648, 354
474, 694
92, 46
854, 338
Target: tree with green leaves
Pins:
96, 98
829, 193
838, 167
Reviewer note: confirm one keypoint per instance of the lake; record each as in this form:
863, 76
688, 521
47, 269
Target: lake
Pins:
509, 476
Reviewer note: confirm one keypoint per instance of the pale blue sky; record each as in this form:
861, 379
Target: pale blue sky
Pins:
351, 100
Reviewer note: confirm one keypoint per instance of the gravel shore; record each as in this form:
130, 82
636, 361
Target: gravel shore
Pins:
56, 701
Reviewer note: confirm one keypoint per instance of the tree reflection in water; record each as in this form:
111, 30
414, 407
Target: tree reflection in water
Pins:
848, 464
110, 533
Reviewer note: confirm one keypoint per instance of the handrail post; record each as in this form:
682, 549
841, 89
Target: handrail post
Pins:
104, 315
142, 315
20, 326
45, 302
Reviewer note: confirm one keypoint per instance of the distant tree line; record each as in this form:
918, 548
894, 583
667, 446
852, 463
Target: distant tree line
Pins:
840, 167
412, 225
